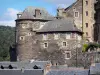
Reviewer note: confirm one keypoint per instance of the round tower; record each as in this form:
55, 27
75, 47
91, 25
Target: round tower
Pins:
24, 40
27, 24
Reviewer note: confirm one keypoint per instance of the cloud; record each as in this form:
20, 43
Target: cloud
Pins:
11, 12
62, 5
8, 23
9, 17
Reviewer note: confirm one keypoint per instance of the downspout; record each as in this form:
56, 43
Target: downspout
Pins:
82, 20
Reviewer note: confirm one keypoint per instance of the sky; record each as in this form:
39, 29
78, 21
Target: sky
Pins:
9, 8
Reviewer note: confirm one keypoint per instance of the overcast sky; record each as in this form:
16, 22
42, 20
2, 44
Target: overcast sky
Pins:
9, 8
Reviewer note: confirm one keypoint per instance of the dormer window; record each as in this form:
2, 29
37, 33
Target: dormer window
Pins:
56, 36
68, 35
45, 36
73, 35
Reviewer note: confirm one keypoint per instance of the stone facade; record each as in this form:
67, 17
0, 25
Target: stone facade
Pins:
83, 13
25, 38
69, 12
97, 22
37, 36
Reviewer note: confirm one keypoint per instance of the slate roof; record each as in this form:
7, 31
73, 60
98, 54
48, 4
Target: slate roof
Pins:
23, 68
95, 69
69, 71
60, 25
21, 72
25, 65
71, 5
29, 13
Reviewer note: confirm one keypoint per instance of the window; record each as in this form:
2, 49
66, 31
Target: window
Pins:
86, 13
67, 54
86, 33
45, 37
45, 45
79, 37
22, 38
86, 25
64, 44
73, 35
76, 14
42, 24
67, 35
56, 36
29, 34
25, 25
86, 2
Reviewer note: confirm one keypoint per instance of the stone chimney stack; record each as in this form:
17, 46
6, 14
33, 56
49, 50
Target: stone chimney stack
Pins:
37, 13
19, 14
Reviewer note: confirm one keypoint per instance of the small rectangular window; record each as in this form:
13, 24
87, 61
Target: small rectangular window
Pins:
25, 25
86, 2
67, 54
45, 45
86, 13
76, 14
73, 35
22, 38
45, 36
86, 33
64, 44
86, 25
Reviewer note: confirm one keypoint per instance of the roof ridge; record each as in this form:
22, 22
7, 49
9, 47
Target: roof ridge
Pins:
71, 5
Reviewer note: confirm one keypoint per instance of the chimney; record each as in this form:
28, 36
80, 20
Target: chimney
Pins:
37, 13
19, 14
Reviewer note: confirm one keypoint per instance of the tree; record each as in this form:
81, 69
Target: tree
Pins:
7, 38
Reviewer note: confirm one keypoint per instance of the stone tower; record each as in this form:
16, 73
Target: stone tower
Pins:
97, 22
27, 23
88, 19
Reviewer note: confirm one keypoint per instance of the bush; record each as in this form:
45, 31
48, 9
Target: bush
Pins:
90, 46
84, 47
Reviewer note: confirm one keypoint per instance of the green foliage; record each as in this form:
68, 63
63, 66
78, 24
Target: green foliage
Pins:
84, 47
7, 37
90, 46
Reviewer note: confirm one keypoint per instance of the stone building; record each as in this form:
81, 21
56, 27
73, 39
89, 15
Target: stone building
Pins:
27, 23
37, 30
83, 13
97, 22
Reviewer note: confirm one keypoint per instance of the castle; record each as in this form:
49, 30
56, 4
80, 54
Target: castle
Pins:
38, 31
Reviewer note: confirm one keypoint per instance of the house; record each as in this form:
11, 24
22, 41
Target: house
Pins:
82, 11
